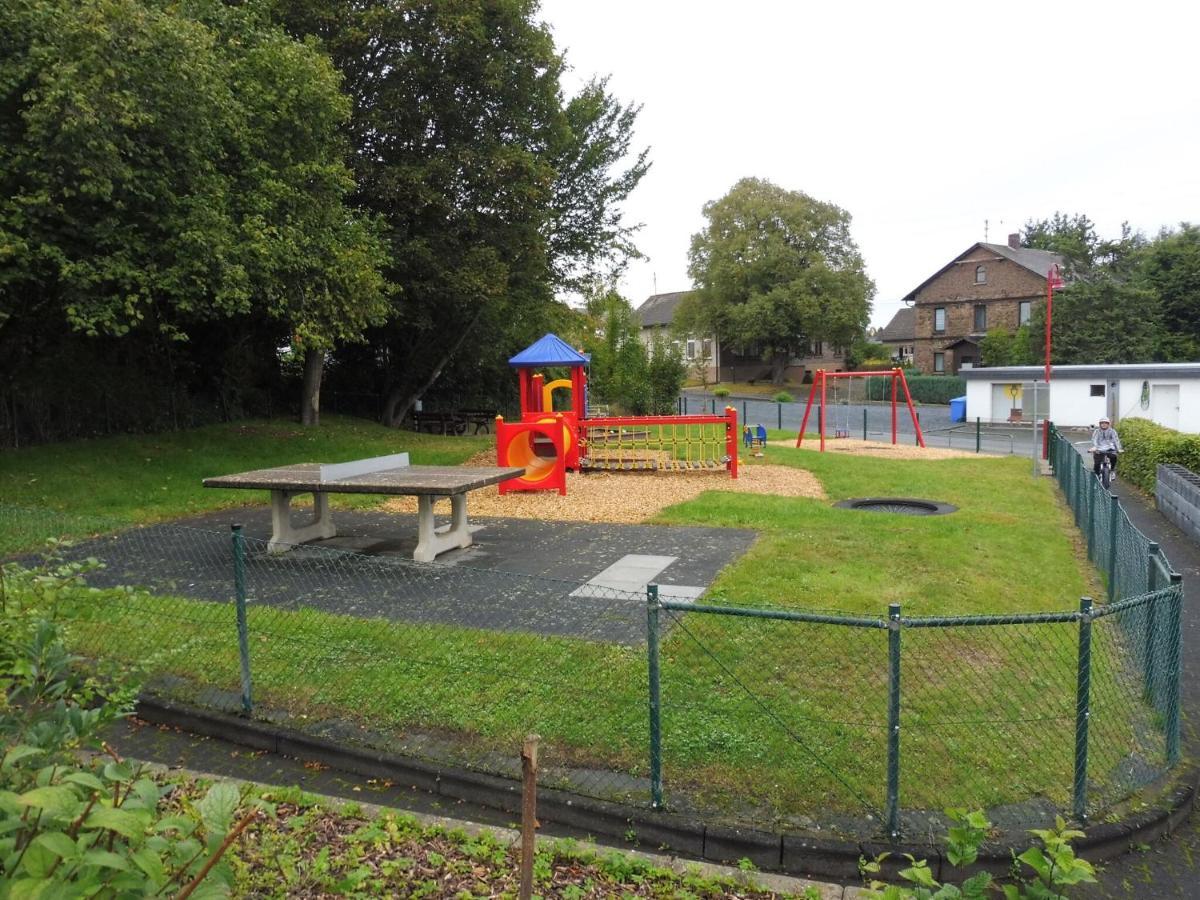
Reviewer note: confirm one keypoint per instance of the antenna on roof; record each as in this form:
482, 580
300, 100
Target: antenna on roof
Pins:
985, 230
654, 275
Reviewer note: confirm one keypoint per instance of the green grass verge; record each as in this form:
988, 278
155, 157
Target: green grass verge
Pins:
82, 487
761, 719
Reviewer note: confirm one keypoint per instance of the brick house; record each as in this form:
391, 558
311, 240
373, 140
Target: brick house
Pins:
986, 286
726, 362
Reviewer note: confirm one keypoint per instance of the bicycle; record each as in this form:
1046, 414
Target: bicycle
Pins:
1107, 474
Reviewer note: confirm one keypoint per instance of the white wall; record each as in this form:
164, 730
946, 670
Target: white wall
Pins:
1071, 403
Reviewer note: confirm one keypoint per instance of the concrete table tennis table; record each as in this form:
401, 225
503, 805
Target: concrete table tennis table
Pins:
379, 475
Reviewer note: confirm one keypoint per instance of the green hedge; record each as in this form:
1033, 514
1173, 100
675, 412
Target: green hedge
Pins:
1147, 444
938, 389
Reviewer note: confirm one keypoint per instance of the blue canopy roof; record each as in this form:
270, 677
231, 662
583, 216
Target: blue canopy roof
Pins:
550, 350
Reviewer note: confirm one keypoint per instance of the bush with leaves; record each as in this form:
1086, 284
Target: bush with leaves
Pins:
1054, 866
74, 825
1147, 444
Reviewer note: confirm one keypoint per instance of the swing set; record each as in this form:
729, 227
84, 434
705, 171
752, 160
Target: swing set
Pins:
821, 383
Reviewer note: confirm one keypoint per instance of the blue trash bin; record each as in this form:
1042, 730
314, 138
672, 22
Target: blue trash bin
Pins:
958, 409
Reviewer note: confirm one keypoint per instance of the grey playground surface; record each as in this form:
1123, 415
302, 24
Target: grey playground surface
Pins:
573, 579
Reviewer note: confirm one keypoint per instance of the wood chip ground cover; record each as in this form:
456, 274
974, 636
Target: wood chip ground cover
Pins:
624, 497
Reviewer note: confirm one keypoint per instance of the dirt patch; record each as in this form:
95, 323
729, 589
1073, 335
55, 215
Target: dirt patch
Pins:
854, 447
623, 497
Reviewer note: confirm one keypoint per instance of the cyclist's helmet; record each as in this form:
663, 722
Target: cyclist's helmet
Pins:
1105, 422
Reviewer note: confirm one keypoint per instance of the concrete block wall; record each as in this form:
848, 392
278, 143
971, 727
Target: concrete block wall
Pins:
1178, 494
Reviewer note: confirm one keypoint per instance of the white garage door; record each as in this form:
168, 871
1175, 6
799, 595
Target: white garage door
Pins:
1164, 404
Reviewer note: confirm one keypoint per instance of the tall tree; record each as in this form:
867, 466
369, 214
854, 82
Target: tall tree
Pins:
201, 179
495, 191
1074, 237
1170, 267
777, 268
1102, 319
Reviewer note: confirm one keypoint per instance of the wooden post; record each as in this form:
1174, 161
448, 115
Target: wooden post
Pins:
528, 813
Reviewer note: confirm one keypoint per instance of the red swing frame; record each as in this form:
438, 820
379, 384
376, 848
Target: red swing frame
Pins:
821, 381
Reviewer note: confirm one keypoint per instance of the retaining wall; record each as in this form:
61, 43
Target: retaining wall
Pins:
1177, 491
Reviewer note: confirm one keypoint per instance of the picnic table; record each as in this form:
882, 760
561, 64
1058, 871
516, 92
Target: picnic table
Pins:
454, 422
379, 475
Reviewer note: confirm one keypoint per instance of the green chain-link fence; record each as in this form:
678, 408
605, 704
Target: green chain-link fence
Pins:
772, 716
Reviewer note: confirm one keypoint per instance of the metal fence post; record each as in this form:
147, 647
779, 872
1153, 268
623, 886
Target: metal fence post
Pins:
1091, 523
652, 607
1083, 688
779, 411
239, 588
893, 735
1150, 634
1171, 664
1114, 523
864, 423
978, 434
744, 419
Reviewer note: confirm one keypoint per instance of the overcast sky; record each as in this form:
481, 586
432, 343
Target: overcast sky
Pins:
920, 119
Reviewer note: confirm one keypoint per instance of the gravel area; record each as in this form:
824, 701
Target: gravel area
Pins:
624, 497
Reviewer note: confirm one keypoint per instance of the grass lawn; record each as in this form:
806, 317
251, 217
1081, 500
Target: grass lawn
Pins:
764, 719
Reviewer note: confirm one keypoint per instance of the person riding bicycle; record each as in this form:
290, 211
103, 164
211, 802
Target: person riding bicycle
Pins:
1105, 443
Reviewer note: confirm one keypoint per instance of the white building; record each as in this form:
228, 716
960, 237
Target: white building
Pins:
1166, 393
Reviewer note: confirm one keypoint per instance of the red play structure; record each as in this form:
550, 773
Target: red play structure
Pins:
820, 382
549, 442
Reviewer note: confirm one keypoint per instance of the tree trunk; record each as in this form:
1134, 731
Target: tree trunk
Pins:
310, 402
778, 368
397, 404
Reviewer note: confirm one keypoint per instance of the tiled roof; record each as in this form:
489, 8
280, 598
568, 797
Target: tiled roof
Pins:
1036, 261
903, 326
659, 309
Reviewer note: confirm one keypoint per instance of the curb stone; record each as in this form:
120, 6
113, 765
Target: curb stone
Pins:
792, 854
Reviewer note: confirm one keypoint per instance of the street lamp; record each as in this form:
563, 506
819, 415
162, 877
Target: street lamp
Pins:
1054, 281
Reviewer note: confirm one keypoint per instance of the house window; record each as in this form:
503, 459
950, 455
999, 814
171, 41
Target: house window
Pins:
691, 349
939, 319
939, 363
818, 348
1023, 315
981, 274
707, 348
1097, 390
981, 318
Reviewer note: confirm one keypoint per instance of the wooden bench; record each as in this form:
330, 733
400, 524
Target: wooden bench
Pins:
439, 422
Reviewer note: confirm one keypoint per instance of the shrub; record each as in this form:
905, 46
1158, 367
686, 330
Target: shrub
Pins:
784, 397
1055, 868
90, 827
721, 392
933, 389
1147, 444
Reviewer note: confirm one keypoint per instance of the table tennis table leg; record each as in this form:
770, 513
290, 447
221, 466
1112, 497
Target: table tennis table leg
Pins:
285, 535
431, 540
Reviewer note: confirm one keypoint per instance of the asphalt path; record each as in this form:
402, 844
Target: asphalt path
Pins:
1168, 868
875, 418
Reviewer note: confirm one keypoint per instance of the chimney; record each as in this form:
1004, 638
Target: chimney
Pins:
1014, 241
